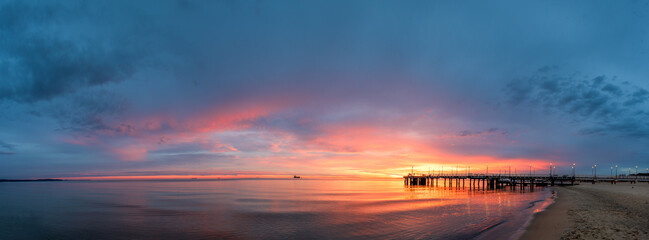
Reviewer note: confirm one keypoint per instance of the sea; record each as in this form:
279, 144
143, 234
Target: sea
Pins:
262, 209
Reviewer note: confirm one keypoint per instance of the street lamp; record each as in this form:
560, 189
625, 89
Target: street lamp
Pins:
595, 171
615, 171
573, 170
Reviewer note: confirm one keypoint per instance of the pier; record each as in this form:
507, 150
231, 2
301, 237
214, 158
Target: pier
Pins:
489, 182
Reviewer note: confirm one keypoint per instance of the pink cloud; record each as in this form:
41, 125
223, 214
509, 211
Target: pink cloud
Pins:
130, 153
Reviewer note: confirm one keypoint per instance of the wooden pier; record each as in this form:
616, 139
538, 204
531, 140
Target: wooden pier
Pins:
489, 182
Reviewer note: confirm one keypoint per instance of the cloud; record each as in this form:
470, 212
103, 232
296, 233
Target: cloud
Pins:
88, 112
601, 104
467, 133
638, 97
7, 148
252, 85
6, 145
45, 56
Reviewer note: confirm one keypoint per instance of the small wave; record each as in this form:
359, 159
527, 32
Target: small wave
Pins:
491, 227
523, 228
483, 230
533, 203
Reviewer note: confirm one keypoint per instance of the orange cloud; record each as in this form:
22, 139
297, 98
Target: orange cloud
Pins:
382, 148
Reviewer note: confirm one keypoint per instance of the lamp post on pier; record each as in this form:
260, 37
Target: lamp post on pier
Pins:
573, 170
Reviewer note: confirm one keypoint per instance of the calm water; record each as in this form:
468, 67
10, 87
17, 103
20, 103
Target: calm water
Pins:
259, 209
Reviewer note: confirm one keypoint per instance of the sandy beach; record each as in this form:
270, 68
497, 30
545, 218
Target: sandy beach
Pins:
594, 211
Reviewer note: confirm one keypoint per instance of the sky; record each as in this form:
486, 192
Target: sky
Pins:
165, 89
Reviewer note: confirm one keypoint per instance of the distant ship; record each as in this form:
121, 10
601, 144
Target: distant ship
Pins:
296, 176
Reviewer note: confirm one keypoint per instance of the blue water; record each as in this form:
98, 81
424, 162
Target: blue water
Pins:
260, 209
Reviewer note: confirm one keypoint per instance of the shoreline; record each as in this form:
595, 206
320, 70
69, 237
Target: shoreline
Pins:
552, 222
593, 211
514, 226
33, 180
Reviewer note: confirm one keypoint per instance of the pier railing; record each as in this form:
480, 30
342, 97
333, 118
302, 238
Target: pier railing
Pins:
494, 181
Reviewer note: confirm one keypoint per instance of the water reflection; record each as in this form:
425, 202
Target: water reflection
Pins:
254, 209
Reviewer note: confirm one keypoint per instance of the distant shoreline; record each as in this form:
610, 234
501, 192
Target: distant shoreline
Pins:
32, 180
594, 211
189, 179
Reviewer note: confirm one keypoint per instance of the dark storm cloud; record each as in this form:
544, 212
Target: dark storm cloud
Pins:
603, 104
40, 63
47, 68
639, 96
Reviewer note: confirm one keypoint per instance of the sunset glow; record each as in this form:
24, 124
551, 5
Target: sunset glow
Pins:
259, 93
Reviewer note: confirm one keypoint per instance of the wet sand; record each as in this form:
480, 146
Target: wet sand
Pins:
594, 211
